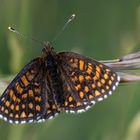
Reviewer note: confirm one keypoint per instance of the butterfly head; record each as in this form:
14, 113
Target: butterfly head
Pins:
47, 48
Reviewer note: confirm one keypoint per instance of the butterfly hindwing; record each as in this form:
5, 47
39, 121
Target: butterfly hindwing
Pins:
73, 103
88, 81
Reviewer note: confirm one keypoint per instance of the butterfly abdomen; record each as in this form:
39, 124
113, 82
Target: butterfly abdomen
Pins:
54, 79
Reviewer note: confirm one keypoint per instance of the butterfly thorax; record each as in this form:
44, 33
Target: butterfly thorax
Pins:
53, 78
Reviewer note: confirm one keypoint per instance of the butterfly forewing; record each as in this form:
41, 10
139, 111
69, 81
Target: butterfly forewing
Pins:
88, 81
24, 100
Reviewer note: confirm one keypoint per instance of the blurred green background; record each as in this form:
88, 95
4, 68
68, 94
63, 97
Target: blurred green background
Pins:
102, 30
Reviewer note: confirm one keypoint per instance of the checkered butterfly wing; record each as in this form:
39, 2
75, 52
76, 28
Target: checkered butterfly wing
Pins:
85, 81
24, 100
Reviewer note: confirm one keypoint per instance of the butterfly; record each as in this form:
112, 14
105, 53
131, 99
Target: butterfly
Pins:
56, 82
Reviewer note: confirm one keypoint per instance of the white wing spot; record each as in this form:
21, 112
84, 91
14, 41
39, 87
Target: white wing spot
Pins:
100, 99
5, 118
118, 78
93, 102
110, 92
80, 111
105, 96
51, 117
30, 121
87, 107
117, 83
71, 111
22, 122
17, 122
114, 88
10, 121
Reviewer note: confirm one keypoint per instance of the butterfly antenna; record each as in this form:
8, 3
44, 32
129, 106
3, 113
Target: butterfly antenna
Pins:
65, 25
25, 36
